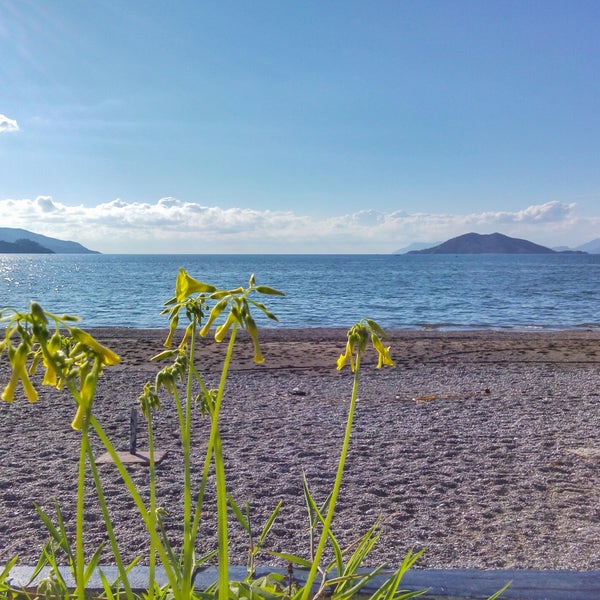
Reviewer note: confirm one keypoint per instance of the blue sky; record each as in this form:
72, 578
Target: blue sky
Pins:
275, 126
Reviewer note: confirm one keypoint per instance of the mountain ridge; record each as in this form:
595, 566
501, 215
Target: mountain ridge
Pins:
490, 243
16, 237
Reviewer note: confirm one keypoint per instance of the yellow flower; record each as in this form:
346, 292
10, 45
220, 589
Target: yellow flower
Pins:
172, 329
18, 360
50, 351
186, 285
30, 391
186, 335
253, 331
107, 356
346, 357
8, 395
384, 357
88, 389
217, 309
222, 329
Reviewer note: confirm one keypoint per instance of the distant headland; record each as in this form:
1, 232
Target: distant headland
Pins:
492, 243
21, 241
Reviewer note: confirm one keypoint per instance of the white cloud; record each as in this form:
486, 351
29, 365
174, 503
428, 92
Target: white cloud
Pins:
8, 125
172, 226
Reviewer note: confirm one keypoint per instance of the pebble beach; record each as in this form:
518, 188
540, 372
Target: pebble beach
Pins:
483, 448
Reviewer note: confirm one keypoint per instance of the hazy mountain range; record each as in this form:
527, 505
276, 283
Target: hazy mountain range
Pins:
493, 243
21, 241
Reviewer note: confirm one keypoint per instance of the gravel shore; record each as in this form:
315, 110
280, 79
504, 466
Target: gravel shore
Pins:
482, 447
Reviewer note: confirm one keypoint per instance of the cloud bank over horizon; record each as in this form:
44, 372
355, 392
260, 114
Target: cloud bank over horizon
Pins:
175, 226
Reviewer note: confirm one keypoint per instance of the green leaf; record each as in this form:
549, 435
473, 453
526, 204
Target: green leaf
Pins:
106, 586
269, 523
264, 289
242, 520
388, 591
59, 535
311, 505
364, 547
264, 309
296, 560
89, 570
500, 592
350, 592
375, 327
7, 568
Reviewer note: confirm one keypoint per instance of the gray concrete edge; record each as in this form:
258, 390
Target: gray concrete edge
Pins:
443, 584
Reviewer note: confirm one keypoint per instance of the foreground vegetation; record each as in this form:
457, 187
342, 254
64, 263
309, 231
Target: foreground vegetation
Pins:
73, 360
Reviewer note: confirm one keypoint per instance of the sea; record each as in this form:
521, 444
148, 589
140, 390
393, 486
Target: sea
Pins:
406, 291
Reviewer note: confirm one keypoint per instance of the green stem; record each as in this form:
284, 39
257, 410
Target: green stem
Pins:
186, 428
223, 575
205, 471
79, 519
152, 473
109, 528
214, 445
336, 486
143, 511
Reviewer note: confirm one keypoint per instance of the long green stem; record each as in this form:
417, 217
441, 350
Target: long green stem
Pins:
152, 474
143, 511
214, 445
186, 433
109, 528
205, 471
79, 519
336, 486
222, 533
223, 575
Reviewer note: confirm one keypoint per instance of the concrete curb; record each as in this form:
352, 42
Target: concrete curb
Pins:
442, 584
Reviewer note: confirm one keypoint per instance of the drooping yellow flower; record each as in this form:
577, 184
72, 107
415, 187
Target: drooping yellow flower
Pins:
172, 329
347, 357
30, 391
107, 356
88, 389
358, 337
217, 309
8, 394
252, 329
18, 361
50, 351
222, 329
383, 352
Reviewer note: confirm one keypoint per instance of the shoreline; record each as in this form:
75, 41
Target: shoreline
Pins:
486, 474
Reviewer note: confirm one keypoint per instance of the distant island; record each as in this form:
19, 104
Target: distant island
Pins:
491, 243
21, 241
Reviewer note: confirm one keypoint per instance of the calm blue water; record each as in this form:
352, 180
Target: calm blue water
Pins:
398, 291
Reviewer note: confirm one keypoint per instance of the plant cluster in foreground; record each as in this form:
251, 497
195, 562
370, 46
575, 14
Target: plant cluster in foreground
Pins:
72, 359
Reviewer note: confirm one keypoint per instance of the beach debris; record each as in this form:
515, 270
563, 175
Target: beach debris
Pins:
297, 392
425, 398
133, 456
586, 452
133, 422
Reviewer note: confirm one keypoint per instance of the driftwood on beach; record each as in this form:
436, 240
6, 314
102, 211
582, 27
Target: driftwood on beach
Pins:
480, 446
